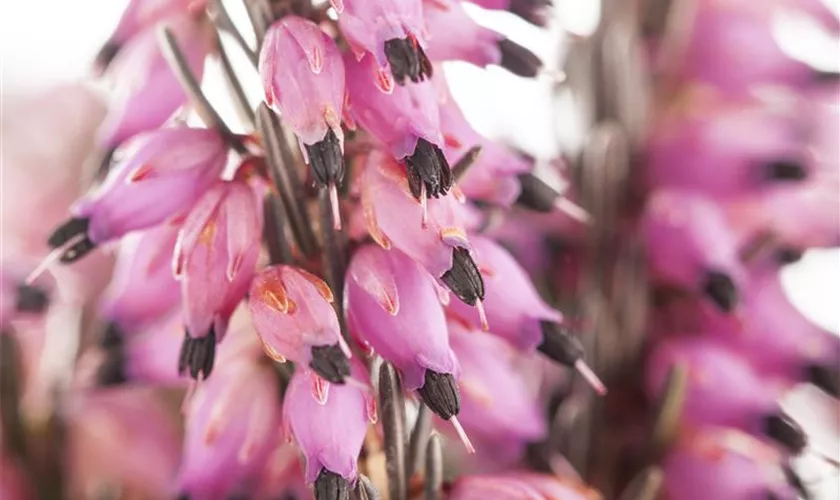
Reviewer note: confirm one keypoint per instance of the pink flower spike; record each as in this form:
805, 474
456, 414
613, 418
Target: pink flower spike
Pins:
293, 314
164, 174
453, 35
303, 78
393, 217
215, 258
330, 433
414, 335
391, 33
146, 92
407, 122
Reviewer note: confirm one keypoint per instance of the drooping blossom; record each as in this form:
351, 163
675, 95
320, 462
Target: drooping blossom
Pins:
725, 463
293, 313
723, 389
690, 246
215, 258
146, 92
393, 307
432, 234
389, 33
163, 176
453, 35
303, 78
233, 423
407, 123
329, 426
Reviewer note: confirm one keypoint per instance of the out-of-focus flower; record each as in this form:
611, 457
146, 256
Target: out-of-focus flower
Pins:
498, 408
704, 147
725, 463
519, 486
391, 34
723, 390
215, 258
690, 246
293, 313
303, 78
143, 288
453, 35
233, 425
432, 234
407, 123
146, 91
103, 426
17, 298
165, 173
329, 430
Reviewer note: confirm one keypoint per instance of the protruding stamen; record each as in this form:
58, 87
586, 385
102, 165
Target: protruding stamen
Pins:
192, 388
45, 264
482, 315
571, 209
424, 203
336, 209
462, 434
590, 377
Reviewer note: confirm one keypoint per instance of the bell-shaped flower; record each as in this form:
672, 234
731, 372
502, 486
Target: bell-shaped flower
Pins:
723, 389
389, 33
432, 233
146, 92
163, 176
233, 423
407, 123
329, 426
454, 36
303, 77
691, 246
499, 408
293, 313
215, 258
725, 463
708, 132
394, 308
142, 289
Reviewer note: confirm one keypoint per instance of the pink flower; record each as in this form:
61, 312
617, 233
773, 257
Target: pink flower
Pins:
303, 78
393, 307
215, 258
143, 288
232, 425
691, 246
453, 35
760, 146
407, 123
497, 405
725, 463
146, 92
723, 389
431, 233
330, 432
165, 173
520, 486
391, 34
294, 315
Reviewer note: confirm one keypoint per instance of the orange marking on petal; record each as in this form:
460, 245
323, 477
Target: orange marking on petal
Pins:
388, 303
457, 233
272, 353
274, 294
207, 233
141, 173
452, 142
486, 270
320, 285
384, 81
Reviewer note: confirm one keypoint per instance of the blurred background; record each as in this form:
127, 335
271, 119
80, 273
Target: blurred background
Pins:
46, 43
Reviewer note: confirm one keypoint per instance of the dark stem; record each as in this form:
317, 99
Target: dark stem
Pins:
281, 162
393, 426
274, 231
644, 486
246, 112
465, 162
419, 437
434, 468
175, 57
334, 257
259, 13
221, 18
